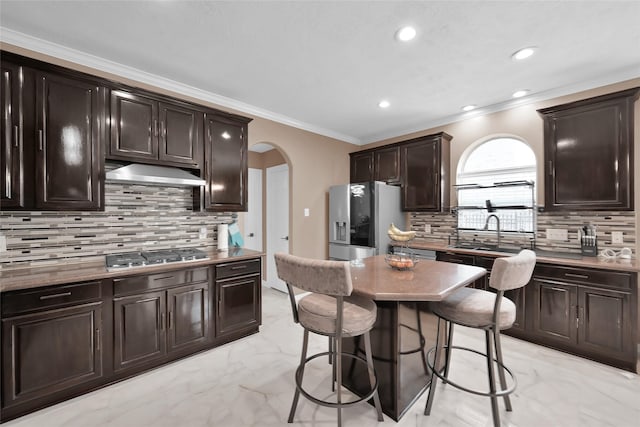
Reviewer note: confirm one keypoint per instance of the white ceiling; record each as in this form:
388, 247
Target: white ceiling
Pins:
324, 65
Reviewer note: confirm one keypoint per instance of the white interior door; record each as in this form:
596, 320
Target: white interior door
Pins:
253, 216
277, 221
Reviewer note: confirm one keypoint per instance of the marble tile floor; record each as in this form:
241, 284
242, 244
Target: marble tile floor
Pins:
250, 383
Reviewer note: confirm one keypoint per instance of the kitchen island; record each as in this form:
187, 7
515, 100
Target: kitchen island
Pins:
405, 327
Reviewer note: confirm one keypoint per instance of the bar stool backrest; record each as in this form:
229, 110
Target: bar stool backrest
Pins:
512, 272
314, 275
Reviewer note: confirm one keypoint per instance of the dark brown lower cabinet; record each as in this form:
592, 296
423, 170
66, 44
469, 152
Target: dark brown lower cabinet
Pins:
589, 312
188, 316
238, 304
139, 329
62, 341
584, 311
50, 352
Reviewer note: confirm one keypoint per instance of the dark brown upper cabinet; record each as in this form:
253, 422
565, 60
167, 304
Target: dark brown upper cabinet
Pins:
11, 130
588, 149
386, 165
361, 167
425, 173
225, 168
69, 159
144, 129
379, 164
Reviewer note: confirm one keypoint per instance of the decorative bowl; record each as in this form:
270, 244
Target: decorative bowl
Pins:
401, 261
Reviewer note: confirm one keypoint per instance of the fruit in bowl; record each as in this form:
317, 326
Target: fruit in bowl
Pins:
401, 261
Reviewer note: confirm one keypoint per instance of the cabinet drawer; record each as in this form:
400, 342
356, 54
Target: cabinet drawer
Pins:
456, 258
237, 268
53, 296
611, 279
129, 285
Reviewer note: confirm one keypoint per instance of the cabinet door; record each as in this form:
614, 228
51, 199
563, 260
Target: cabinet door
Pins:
361, 167
421, 178
606, 322
139, 329
238, 304
225, 164
387, 165
11, 159
134, 126
69, 157
48, 352
188, 316
592, 172
555, 311
180, 134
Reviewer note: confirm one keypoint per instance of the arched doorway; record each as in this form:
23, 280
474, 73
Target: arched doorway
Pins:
268, 188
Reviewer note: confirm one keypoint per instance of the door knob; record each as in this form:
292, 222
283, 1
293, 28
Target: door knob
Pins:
250, 234
285, 238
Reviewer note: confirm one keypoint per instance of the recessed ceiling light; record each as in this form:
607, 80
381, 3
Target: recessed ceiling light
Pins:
405, 34
520, 93
468, 107
524, 53
384, 104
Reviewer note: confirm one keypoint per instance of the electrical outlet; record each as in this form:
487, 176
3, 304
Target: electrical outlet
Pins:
616, 237
203, 233
557, 234
427, 229
3, 243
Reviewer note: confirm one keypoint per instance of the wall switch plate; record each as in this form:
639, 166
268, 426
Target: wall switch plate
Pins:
306, 211
427, 229
203, 233
557, 234
616, 237
3, 243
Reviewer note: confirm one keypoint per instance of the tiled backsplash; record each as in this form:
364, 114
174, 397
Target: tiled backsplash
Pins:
443, 229
136, 217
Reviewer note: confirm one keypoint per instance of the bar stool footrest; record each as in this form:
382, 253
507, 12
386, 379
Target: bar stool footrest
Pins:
324, 402
498, 393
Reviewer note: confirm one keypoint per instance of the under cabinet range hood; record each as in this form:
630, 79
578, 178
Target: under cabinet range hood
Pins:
137, 173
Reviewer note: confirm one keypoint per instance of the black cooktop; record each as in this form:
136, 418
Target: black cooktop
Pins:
144, 258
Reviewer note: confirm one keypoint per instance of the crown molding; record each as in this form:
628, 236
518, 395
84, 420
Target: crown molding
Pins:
88, 60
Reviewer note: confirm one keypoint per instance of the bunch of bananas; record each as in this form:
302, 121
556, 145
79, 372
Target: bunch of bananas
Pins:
398, 235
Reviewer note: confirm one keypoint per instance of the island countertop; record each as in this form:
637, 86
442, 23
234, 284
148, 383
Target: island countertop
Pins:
428, 281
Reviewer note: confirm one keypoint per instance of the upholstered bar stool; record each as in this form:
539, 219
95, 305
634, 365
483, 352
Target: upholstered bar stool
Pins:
332, 311
486, 310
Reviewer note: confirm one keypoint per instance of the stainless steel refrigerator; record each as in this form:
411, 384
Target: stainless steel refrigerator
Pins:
359, 216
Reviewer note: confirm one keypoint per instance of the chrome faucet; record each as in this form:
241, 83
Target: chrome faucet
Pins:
486, 225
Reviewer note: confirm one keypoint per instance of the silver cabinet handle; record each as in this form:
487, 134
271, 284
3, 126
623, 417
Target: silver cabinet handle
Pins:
60, 295
40, 140
16, 139
577, 276
97, 339
155, 128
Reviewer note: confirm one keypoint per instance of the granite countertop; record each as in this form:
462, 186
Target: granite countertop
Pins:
26, 278
617, 264
427, 281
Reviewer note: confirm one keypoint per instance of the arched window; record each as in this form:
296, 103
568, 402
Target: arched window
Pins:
497, 160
